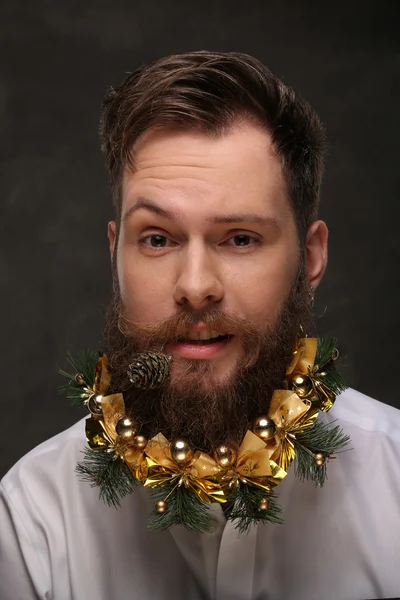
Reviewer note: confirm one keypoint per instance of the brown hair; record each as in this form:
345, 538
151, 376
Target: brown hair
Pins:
211, 91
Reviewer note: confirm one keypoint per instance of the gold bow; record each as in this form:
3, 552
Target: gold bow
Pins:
321, 396
102, 380
253, 466
198, 475
291, 415
101, 431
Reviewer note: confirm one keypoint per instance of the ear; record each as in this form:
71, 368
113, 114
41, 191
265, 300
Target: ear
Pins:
316, 252
112, 235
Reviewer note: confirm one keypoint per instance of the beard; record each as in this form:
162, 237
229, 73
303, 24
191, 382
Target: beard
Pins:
194, 404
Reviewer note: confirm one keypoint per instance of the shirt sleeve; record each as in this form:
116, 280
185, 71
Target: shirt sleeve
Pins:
21, 573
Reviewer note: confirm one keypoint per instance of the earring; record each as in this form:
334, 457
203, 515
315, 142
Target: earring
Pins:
311, 293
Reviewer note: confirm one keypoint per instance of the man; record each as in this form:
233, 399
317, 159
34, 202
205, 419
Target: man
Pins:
216, 250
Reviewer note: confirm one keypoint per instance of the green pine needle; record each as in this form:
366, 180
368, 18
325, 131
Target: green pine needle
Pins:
332, 378
321, 438
183, 508
85, 364
108, 471
243, 508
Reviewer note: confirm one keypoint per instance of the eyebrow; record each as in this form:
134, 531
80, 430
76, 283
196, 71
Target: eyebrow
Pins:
241, 217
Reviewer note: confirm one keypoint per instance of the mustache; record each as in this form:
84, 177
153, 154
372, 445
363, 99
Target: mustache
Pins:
157, 335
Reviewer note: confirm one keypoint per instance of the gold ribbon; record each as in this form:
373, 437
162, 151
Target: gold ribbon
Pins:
321, 396
101, 431
253, 466
102, 376
198, 475
303, 357
291, 415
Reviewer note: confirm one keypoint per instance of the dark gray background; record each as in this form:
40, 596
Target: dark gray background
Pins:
57, 60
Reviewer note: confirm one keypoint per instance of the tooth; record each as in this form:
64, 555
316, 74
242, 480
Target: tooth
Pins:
204, 334
192, 335
215, 334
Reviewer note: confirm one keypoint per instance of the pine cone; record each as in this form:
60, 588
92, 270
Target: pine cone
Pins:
149, 370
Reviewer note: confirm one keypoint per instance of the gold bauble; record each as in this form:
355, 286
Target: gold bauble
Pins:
80, 379
126, 428
319, 459
263, 504
264, 427
181, 452
225, 456
302, 385
130, 454
161, 506
140, 441
94, 405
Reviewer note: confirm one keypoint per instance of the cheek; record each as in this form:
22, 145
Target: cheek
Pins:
259, 291
144, 292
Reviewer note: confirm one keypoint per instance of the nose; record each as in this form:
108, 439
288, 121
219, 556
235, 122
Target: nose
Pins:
198, 282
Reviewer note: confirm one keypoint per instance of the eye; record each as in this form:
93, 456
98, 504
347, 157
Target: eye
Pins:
242, 240
155, 240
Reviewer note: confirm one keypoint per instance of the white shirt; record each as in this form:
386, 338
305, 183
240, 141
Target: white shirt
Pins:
58, 541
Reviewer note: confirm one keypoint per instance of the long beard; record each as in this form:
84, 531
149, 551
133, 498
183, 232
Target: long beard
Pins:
194, 405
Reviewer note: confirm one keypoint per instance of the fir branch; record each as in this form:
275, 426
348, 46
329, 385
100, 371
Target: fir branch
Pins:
84, 364
183, 508
321, 438
243, 508
332, 378
107, 470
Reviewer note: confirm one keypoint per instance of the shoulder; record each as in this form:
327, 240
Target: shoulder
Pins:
367, 414
48, 465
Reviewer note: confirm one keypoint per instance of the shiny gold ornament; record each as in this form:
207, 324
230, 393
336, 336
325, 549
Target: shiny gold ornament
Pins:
264, 427
181, 452
319, 459
140, 441
149, 370
126, 428
263, 504
94, 404
161, 506
302, 385
198, 475
79, 378
225, 456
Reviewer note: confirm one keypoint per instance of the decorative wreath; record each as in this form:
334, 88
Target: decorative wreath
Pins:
185, 481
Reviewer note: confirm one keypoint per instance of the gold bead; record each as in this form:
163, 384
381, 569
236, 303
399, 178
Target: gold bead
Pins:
181, 452
130, 454
94, 405
140, 441
263, 504
80, 379
264, 427
161, 506
225, 456
126, 428
302, 385
319, 459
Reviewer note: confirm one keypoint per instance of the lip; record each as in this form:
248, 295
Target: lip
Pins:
193, 351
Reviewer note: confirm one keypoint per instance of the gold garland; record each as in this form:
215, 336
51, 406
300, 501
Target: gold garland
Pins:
262, 460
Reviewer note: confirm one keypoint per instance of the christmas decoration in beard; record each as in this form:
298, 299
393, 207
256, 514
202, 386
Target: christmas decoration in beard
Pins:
184, 480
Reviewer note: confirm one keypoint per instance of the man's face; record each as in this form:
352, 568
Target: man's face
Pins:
206, 223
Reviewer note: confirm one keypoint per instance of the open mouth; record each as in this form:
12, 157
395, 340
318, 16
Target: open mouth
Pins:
203, 342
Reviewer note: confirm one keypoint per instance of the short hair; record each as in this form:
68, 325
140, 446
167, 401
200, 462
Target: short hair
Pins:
210, 92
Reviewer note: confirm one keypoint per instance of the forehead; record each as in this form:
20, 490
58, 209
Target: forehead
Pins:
190, 170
